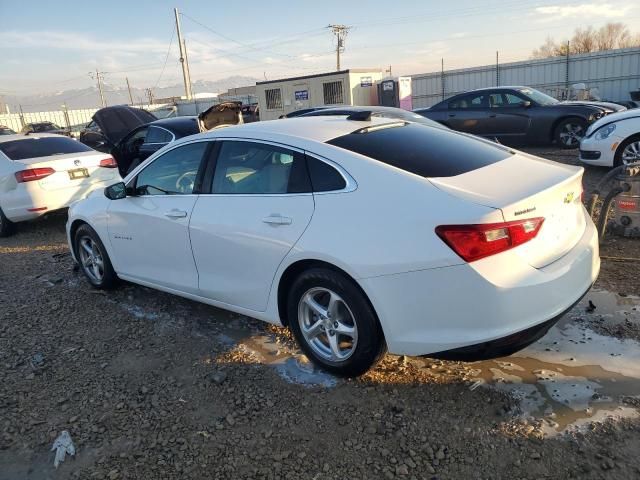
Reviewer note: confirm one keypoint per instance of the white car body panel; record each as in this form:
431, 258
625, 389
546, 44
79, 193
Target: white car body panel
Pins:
54, 192
627, 125
379, 231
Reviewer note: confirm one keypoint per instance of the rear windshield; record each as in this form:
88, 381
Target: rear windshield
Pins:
41, 147
422, 150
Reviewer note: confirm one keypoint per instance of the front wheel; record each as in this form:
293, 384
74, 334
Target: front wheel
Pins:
7, 227
334, 323
628, 152
93, 258
569, 132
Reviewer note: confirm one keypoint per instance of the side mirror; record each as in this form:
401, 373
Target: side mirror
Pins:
116, 191
526, 104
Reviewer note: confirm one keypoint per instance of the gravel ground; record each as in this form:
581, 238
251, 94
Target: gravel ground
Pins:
151, 386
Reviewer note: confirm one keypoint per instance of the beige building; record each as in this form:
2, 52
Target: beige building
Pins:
346, 87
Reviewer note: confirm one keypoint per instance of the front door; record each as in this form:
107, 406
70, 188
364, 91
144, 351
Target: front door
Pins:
149, 230
259, 206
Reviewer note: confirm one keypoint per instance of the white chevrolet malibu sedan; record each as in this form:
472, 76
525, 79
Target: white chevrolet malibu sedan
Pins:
41, 172
360, 234
612, 141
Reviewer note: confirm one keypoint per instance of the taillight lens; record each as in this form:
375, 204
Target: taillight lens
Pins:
33, 174
473, 242
108, 163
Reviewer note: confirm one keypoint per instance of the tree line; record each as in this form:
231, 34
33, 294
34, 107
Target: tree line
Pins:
589, 39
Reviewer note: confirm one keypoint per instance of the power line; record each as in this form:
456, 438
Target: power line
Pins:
173, 32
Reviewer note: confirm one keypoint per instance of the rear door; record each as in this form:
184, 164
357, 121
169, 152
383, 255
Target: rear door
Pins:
469, 113
259, 204
149, 230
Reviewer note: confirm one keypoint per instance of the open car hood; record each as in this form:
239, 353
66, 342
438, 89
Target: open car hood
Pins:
613, 107
115, 122
222, 115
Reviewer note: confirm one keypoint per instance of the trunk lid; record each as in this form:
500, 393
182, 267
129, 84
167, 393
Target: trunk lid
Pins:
76, 170
522, 187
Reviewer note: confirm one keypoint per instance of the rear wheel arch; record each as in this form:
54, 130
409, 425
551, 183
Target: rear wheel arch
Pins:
294, 270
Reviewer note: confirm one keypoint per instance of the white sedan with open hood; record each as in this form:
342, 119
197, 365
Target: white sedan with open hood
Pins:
41, 172
359, 233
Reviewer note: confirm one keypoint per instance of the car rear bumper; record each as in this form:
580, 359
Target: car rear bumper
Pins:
444, 309
30, 202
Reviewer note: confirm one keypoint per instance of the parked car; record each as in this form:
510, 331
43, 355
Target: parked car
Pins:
130, 135
613, 140
44, 127
302, 111
41, 172
359, 234
519, 115
6, 130
375, 111
250, 113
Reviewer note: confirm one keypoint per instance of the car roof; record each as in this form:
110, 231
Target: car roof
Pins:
21, 136
319, 129
182, 125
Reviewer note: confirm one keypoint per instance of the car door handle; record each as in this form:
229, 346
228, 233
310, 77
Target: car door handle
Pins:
277, 220
492, 115
175, 214
452, 114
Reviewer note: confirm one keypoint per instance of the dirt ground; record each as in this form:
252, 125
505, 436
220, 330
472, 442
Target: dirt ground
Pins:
151, 386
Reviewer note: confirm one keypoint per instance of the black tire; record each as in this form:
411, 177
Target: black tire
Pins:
108, 279
370, 346
617, 160
7, 227
569, 132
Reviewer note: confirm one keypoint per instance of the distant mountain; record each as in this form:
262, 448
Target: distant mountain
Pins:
116, 94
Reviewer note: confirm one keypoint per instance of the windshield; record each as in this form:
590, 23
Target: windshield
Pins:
538, 97
35, 147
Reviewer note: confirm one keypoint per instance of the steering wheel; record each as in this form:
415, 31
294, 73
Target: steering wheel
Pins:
186, 181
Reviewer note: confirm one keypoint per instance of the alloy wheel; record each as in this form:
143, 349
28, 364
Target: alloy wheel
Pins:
327, 324
91, 259
631, 153
571, 134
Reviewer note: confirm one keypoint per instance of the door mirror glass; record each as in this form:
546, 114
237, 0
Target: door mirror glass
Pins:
526, 104
116, 191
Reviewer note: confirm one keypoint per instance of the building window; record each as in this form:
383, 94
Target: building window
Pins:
274, 99
332, 93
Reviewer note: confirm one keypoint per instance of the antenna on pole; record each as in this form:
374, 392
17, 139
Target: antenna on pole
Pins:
183, 57
340, 31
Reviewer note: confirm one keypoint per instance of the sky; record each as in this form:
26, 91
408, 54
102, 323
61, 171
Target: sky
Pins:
51, 46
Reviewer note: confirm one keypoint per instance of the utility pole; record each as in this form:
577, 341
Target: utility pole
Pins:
497, 70
99, 76
150, 96
340, 31
183, 59
129, 88
186, 62
442, 76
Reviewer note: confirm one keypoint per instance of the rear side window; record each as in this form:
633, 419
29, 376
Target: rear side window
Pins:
41, 147
422, 150
324, 178
158, 135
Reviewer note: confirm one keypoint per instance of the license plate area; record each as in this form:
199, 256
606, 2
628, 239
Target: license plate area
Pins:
78, 173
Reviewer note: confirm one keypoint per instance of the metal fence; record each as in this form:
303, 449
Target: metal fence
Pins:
614, 73
72, 119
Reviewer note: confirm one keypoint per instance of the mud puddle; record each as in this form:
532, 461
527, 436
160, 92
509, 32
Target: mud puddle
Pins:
574, 375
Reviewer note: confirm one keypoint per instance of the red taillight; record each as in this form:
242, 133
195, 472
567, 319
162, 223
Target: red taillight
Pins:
108, 163
473, 242
33, 174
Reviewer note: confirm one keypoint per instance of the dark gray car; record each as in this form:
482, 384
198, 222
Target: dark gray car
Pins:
519, 115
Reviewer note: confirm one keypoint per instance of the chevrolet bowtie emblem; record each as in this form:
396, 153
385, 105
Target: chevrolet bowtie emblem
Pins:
568, 198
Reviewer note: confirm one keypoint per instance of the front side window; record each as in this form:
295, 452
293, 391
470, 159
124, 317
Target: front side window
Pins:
173, 173
257, 168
